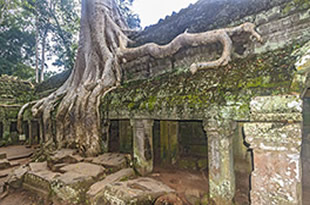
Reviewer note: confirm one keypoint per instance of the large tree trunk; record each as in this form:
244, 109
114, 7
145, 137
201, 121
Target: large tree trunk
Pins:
95, 73
102, 46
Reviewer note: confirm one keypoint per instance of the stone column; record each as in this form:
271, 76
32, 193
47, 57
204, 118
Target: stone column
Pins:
6, 127
143, 145
30, 132
275, 135
220, 157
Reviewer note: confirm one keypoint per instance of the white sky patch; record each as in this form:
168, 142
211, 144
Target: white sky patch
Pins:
150, 11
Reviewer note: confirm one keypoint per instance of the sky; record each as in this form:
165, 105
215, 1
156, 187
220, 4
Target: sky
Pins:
150, 11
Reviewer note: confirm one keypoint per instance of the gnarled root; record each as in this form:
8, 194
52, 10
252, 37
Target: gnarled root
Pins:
186, 39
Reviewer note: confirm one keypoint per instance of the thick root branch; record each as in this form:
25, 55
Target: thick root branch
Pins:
186, 39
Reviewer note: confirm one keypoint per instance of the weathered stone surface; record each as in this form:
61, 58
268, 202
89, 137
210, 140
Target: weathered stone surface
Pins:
4, 164
3, 155
39, 182
220, 158
85, 169
95, 192
64, 156
274, 136
276, 108
71, 186
112, 161
143, 145
137, 191
276, 178
38, 166
15, 179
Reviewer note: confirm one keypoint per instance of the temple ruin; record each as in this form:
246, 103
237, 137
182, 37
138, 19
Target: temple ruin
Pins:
243, 129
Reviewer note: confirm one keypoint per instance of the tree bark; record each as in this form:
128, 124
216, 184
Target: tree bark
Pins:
74, 107
37, 52
43, 53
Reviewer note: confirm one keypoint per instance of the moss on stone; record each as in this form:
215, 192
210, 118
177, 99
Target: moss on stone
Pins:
270, 73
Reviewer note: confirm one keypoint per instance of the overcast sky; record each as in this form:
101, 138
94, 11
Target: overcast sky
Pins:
150, 11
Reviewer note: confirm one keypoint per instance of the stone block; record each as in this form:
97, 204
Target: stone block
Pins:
72, 185
39, 182
4, 164
276, 108
3, 155
138, 191
274, 136
95, 192
276, 178
112, 161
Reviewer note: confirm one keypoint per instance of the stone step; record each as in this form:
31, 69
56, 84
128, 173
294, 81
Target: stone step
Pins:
96, 191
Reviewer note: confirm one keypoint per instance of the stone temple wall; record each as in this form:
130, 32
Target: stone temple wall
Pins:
251, 109
14, 93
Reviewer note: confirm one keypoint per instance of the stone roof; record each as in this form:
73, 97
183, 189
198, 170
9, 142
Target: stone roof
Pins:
14, 91
203, 16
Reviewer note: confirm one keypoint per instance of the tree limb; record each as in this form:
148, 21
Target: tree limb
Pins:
187, 39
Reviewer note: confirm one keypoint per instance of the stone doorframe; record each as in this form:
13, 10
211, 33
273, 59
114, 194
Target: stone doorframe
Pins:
275, 135
220, 159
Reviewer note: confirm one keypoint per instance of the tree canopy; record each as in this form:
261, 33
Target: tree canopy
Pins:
40, 31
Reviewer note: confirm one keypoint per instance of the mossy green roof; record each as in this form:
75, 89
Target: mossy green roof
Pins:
183, 94
15, 91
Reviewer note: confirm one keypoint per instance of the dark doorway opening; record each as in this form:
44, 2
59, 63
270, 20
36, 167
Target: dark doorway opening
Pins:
114, 136
120, 136
181, 158
243, 166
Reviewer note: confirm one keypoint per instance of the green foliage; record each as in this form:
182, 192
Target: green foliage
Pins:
131, 18
17, 40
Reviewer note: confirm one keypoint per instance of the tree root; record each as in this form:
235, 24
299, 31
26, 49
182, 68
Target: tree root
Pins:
186, 39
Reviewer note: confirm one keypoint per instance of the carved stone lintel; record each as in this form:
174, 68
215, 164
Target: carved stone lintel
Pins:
143, 145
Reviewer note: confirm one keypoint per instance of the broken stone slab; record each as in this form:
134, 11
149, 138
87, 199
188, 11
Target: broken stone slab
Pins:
15, 178
4, 164
63, 157
3, 155
39, 182
72, 185
112, 161
38, 166
142, 190
96, 190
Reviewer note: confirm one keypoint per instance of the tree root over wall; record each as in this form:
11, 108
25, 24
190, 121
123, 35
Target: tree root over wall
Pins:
74, 107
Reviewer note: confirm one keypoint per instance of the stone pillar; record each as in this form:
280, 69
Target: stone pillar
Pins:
220, 157
40, 139
143, 145
30, 132
275, 135
6, 127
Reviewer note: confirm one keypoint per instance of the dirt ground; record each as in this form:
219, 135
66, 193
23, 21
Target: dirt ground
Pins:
188, 184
